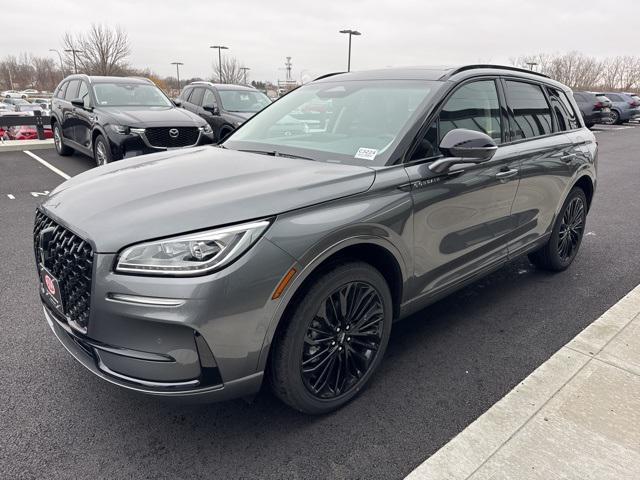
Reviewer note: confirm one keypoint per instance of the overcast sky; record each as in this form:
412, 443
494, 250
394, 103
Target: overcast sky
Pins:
261, 33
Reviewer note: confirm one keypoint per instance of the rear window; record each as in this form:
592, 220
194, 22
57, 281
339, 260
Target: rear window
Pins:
614, 97
72, 90
529, 108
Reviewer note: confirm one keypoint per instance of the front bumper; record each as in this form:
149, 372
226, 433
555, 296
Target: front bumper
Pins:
134, 144
205, 346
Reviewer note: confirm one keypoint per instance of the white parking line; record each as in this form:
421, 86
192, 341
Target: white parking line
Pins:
48, 165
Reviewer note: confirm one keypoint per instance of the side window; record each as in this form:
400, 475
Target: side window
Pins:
614, 98
196, 96
184, 95
563, 110
473, 106
83, 93
531, 112
72, 90
61, 89
209, 99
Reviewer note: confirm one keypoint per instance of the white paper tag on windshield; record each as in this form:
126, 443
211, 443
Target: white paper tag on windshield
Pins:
366, 153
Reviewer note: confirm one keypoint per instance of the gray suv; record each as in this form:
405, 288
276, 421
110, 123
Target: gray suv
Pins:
199, 274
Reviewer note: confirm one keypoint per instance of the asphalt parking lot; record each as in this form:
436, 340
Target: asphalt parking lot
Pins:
444, 366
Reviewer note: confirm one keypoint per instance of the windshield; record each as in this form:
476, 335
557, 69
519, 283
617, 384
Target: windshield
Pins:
356, 122
243, 101
129, 94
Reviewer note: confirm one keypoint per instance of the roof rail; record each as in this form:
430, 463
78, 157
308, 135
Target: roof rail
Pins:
326, 75
488, 65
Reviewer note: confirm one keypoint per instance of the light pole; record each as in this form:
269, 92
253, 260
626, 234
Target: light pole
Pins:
177, 64
244, 73
351, 33
60, 58
75, 52
220, 48
531, 65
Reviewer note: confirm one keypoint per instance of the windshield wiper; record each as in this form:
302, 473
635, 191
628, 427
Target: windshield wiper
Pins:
274, 153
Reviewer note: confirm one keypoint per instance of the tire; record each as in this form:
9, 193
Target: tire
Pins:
348, 362
566, 236
101, 151
615, 117
590, 125
61, 148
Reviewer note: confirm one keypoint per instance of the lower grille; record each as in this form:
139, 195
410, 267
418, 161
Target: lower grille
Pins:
172, 137
70, 259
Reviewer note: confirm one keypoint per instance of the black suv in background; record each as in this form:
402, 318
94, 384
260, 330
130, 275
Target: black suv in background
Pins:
594, 108
109, 118
225, 107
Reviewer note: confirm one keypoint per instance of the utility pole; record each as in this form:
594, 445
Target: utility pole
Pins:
177, 64
350, 33
531, 65
75, 52
60, 58
244, 74
220, 48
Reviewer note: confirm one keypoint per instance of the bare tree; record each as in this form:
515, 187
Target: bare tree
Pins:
102, 50
231, 71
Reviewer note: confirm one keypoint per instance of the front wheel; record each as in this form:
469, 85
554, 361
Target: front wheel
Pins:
615, 117
101, 151
566, 236
334, 339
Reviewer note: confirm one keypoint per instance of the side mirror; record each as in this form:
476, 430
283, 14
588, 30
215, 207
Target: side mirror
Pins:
464, 146
211, 108
177, 102
77, 102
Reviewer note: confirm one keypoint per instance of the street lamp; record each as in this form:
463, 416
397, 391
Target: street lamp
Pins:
531, 65
220, 48
60, 58
244, 73
351, 33
177, 64
75, 52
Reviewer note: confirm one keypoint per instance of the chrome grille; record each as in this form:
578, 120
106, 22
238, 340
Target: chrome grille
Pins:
70, 259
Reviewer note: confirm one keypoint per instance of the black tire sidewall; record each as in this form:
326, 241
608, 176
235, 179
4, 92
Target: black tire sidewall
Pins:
554, 256
292, 342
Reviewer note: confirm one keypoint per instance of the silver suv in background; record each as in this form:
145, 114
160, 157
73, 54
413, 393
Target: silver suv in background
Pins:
197, 274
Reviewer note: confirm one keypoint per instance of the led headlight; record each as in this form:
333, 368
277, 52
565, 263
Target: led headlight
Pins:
121, 129
206, 129
191, 254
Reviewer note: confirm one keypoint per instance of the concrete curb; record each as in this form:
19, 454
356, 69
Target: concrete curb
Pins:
21, 145
545, 427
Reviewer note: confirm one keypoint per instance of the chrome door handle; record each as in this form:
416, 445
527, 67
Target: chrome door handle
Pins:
568, 158
507, 174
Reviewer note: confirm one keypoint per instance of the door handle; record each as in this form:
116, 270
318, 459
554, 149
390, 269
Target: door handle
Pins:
568, 158
507, 174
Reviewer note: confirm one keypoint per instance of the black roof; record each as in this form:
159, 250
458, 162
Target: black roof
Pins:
440, 73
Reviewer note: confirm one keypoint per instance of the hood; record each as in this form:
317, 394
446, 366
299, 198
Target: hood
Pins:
151, 116
179, 191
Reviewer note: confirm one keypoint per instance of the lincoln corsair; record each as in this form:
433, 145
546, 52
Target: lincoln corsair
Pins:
199, 274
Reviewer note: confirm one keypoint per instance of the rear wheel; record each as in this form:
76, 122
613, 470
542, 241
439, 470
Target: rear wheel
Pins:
334, 340
566, 236
61, 148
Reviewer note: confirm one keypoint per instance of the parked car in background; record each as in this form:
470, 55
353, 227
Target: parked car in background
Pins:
12, 94
14, 101
109, 118
594, 108
27, 132
30, 108
287, 258
225, 107
45, 103
624, 107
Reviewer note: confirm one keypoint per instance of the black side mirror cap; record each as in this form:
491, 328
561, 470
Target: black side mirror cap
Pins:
177, 102
211, 108
78, 102
464, 146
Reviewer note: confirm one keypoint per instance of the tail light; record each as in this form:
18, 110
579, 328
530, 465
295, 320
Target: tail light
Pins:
633, 103
598, 105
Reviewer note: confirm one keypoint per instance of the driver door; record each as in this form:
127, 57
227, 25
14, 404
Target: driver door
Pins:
462, 217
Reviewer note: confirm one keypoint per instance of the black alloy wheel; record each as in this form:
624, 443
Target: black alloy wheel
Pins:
333, 338
571, 229
342, 340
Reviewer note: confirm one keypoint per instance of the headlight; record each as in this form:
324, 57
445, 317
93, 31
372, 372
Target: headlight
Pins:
121, 129
191, 254
206, 129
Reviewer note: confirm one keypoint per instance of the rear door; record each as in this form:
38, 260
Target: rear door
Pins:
545, 153
462, 219
69, 120
84, 117
194, 102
